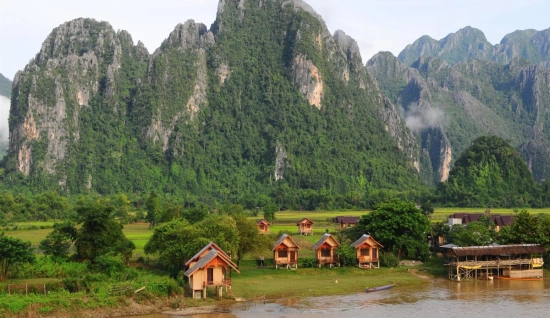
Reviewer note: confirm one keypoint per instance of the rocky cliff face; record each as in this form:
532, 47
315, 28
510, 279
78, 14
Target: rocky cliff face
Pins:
470, 43
78, 60
448, 106
267, 94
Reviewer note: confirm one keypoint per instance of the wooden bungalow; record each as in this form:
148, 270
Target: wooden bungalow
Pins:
305, 226
210, 267
501, 261
285, 252
367, 250
344, 222
325, 250
263, 226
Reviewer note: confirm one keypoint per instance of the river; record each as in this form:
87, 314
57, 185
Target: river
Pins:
472, 299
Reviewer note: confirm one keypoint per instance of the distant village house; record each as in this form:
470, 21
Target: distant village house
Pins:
305, 227
344, 222
263, 226
495, 219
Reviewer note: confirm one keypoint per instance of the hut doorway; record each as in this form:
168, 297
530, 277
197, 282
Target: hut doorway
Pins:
210, 275
292, 256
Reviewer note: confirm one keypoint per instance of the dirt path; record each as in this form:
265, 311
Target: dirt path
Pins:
425, 277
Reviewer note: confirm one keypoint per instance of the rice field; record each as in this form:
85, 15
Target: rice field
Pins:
285, 222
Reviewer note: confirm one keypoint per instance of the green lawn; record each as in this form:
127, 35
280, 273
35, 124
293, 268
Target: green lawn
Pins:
283, 283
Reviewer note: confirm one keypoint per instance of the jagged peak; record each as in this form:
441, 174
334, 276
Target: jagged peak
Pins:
518, 34
60, 41
382, 55
184, 36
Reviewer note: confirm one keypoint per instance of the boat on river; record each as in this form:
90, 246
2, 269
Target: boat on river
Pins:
368, 290
518, 278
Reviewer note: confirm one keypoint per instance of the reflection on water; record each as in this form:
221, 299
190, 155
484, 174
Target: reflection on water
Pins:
473, 299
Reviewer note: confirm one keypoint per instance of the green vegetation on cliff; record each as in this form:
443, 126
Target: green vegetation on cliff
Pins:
489, 173
5, 86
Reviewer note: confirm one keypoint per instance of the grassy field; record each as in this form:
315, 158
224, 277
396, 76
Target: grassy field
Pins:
315, 216
303, 282
285, 222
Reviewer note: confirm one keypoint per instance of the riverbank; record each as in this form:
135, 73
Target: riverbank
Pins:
252, 284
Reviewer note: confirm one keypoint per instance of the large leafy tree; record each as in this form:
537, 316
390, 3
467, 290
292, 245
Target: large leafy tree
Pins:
527, 229
153, 206
13, 251
175, 242
473, 234
250, 239
400, 226
58, 242
178, 240
99, 233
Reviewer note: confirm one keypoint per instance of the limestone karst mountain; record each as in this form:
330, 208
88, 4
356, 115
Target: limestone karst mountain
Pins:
448, 106
265, 101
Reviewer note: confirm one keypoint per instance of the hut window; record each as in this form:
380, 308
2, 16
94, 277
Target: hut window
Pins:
325, 253
364, 252
282, 253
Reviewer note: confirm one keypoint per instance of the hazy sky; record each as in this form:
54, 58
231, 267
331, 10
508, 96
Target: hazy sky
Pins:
377, 25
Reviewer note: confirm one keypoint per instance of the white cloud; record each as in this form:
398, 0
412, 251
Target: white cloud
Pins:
4, 115
420, 118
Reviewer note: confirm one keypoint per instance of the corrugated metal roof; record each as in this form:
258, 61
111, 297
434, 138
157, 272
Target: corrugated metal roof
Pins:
210, 245
207, 258
362, 240
281, 239
202, 262
497, 250
322, 240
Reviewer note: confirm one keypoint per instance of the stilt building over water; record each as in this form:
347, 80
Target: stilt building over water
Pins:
485, 262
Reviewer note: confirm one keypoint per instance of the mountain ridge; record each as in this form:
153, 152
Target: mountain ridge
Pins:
468, 43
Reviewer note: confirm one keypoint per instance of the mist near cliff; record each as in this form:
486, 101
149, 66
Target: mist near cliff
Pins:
4, 115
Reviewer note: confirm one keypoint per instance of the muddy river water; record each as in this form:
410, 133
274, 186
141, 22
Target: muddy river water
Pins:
473, 299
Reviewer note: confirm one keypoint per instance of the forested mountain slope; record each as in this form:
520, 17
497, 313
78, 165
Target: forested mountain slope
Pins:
490, 173
449, 106
5, 86
265, 102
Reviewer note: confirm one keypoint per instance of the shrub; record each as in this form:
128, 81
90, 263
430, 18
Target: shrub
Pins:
389, 259
309, 262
